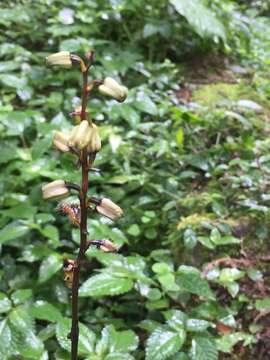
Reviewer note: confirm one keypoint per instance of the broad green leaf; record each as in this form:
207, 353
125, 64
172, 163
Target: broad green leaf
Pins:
120, 341
86, 337
190, 280
20, 296
13, 231
21, 319
163, 343
49, 267
203, 348
45, 311
202, 19
161, 268
105, 284
176, 319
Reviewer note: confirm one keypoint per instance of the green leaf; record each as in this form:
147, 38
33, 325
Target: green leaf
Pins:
163, 343
21, 319
161, 268
134, 230
105, 284
120, 341
22, 324
203, 21
86, 338
194, 325
176, 319
5, 303
45, 311
203, 348
190, 280
13, 231
20, 296
230, 275
118, 356
5, 339
49, 267
263, 304
227, 342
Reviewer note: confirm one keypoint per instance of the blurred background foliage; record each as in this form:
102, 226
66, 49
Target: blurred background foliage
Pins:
186, 157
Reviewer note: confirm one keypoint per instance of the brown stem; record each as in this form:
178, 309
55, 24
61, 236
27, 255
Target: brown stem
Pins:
74, 334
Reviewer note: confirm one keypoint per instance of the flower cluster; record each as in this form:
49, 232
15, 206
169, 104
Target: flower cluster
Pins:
83, 139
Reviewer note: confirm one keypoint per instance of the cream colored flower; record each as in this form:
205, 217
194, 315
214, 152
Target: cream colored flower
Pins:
111, 88
60, 141
95, 141
62, 58
109, 209
54, 190
81, 135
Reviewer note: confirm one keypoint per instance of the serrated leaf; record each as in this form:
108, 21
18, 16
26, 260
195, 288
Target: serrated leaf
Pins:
163, 343
86, 337
105, 284
203, 348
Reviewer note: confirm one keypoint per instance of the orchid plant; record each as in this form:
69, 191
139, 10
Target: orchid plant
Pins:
84, 142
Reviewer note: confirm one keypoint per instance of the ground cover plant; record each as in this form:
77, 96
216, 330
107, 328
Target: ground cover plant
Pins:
187, 157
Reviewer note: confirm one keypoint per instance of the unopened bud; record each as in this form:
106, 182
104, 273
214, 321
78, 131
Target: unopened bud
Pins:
62, 58
55, 189
95, 142
81, 135
111, 88
109, 209
60, 141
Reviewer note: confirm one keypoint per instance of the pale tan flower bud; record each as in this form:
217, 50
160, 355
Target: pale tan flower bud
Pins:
111, 88
81, 136
95, 142
55, 189
61, 58
60, 141
109, 209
